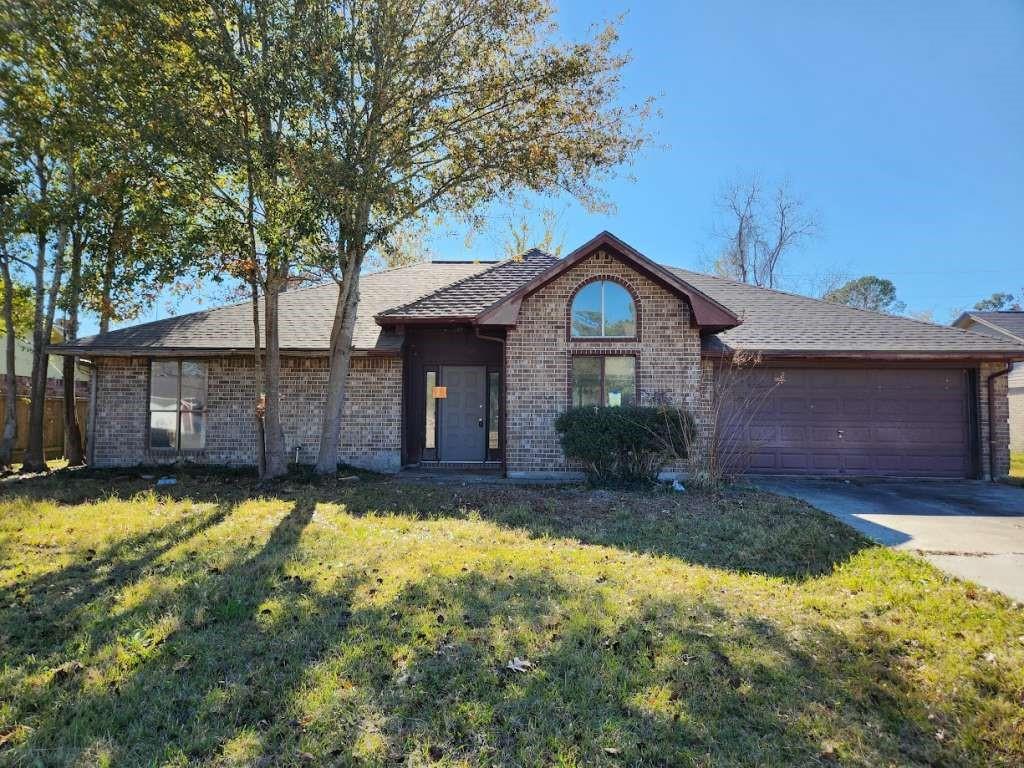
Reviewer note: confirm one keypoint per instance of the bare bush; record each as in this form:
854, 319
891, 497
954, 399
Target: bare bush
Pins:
733, 389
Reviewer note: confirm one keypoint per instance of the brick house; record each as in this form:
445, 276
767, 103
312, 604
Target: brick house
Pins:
469, 363
1004, 325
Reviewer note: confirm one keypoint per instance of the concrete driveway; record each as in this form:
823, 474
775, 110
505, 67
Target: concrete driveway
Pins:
973, 530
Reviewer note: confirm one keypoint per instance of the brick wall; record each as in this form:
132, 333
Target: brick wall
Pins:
119, 429
371, 432
1000, 421
539, 355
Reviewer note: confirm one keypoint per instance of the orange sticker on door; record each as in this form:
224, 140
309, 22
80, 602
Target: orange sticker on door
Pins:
440, 393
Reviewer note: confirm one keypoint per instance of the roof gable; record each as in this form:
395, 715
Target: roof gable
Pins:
465, 299
1005, 324
707, 313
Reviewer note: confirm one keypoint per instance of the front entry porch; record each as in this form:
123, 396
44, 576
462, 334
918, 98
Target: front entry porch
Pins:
453, 400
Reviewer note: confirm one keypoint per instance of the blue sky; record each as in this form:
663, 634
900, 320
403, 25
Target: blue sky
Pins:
900, 124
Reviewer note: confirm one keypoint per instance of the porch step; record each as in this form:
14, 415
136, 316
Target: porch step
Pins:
485, 467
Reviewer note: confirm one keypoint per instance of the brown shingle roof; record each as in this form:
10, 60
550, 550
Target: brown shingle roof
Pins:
784, 323
1004, 324
306, 316
773, 322
470, 296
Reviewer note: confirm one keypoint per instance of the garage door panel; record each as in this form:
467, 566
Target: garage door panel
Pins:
825, 407
762, 462
856, 463
828, 461
758, 434
857, 406
793, 435
790, 406
900, 422
795, 461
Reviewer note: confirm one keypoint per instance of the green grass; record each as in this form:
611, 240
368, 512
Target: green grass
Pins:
370, 623
1016, 476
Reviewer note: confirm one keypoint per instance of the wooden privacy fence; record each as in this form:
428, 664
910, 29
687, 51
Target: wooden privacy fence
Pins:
53, 425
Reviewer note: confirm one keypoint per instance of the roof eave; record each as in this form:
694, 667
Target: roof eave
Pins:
390, 321
879, 355
194, 352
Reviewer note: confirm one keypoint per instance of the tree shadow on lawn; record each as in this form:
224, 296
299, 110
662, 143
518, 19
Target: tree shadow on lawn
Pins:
198, 657
333, 678
47, 609
248, 664
742, 529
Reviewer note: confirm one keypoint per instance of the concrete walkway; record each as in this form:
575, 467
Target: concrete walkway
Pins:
971, 529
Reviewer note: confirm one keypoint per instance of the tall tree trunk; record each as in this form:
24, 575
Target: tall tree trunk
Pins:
46, 306
261, 437
109, 265
10, 377
107, 281
72, 430
277, 462
340, 361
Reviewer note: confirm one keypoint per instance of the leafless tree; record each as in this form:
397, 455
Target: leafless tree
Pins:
546, 234
405, 247
758, 232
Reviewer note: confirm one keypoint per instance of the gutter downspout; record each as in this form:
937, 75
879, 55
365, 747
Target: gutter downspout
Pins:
991, 420
504, 396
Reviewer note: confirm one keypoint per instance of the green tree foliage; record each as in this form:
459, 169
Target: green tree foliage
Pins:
440, 107
89, 105
999, 302
256, 138
869, 292
405, 247
250, 130
40, 122
23, 309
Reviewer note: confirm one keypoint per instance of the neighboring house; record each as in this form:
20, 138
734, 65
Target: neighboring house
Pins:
23, 372
53, 416
470, 363
1004, 325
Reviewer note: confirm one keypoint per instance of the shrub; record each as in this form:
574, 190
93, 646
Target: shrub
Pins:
624, 444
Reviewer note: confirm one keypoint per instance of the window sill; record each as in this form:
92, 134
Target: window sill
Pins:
585, 339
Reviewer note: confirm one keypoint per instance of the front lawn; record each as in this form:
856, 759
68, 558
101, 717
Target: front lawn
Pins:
372, 622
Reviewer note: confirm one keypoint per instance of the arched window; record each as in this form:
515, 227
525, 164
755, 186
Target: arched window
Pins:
603, 309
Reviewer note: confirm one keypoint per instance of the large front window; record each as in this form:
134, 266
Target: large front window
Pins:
603, 309
607, 380
177, 405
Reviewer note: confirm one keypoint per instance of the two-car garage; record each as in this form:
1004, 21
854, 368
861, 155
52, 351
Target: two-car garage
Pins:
901, 422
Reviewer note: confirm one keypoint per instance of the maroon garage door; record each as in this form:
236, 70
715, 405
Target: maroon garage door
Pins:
836, 421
